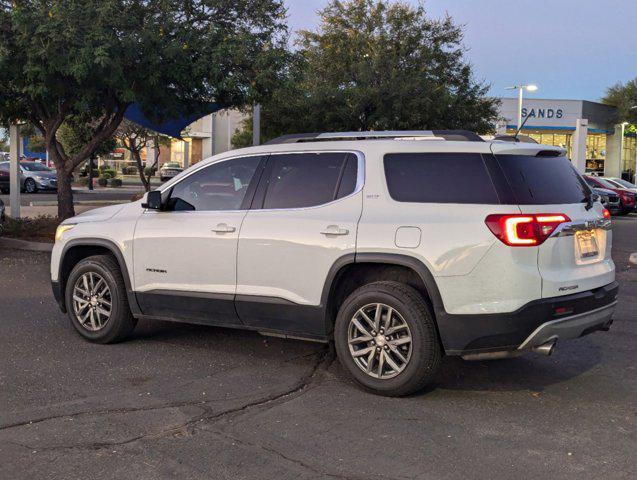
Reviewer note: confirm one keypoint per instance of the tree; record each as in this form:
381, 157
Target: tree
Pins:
378, 65
94, 58
135, 138
624, 97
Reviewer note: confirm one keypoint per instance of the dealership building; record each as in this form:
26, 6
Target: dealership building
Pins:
589, 132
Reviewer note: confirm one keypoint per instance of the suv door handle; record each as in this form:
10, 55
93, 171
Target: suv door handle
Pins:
223, 228
335, 230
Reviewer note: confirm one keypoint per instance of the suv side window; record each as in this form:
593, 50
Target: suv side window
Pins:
221, 186
439, 177
300, 180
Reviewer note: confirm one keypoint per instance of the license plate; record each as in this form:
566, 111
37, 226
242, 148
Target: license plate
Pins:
587, 244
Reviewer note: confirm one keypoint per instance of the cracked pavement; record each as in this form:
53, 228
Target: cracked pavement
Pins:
195, 402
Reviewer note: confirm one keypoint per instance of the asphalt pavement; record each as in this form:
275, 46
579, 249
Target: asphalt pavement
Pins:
194, 402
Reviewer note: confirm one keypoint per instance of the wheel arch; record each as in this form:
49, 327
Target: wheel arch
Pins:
78, 249
352, 271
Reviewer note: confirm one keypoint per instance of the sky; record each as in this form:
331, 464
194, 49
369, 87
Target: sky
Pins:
571, 49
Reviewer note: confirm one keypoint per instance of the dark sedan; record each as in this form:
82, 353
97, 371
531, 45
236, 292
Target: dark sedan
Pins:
609, 199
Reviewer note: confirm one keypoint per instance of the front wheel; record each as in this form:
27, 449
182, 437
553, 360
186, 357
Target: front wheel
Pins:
96, 300
386, 337
30, 186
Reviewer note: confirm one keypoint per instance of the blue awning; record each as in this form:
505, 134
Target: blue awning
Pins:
172, 127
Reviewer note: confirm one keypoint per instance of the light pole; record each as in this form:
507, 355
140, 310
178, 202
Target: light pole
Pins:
520, 89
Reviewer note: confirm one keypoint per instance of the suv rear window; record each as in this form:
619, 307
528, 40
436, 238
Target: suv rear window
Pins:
439, 178
543, 180
301, 180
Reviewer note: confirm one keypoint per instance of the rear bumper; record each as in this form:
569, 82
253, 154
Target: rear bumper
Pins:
532, 325
570, 327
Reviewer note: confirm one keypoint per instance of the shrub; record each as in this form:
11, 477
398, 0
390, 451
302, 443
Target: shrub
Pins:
115, 182
41, 228
109, 173
83, 181
150, 171
102, 181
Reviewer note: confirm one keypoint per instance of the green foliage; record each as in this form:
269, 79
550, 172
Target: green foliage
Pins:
115, 182
76, 132
377, 65
82, 63
150, 171
129, 170
82, 181
108, 173
624, 97
102, 181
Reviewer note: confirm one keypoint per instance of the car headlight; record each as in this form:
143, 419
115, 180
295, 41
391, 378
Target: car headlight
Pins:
61, 229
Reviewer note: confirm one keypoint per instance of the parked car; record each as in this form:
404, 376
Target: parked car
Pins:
4, 180
610, 200
626, 197
169, 170
621, 183
34, 176
398, 251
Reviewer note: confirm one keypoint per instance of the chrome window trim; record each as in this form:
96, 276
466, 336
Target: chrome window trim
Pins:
360, 178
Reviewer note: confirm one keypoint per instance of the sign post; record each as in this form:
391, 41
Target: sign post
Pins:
256, 124
14, 170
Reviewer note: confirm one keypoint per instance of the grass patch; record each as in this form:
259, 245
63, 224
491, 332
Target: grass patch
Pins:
37, 229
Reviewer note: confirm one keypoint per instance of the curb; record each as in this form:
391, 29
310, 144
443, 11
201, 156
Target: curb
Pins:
16, 244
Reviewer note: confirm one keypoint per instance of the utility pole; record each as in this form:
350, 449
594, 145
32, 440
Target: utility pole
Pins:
14, 169
256, 124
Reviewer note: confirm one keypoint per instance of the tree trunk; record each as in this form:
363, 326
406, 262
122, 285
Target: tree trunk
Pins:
140, 168
65, 195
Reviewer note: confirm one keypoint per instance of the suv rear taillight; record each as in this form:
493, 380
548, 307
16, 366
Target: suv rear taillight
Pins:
522, 230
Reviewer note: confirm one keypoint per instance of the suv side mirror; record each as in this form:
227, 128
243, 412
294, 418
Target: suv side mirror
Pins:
153, 200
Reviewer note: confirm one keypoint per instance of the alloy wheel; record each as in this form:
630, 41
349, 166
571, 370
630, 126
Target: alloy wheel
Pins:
29, 185
92, 301
379, 341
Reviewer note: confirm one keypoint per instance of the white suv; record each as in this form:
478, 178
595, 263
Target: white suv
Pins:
399, 246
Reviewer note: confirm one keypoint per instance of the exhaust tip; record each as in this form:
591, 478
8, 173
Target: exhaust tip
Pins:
546, 348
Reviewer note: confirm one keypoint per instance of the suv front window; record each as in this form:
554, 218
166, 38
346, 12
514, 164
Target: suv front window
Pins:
221, 186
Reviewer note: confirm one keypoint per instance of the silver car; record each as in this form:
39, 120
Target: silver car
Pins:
169, 170
34, 176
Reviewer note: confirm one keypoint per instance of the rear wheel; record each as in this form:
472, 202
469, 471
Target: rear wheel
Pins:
96, 300
385, 336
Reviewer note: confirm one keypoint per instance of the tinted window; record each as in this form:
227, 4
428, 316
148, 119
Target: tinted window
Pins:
221, 186
439, 178
309, 179
543, 180
4, 166
35, 167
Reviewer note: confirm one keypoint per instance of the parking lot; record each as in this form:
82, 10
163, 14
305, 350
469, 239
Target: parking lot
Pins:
183, 401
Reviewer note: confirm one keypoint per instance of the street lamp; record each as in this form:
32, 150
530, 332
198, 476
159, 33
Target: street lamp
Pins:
520, 89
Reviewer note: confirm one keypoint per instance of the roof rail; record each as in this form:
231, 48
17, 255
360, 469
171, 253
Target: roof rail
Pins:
449, 135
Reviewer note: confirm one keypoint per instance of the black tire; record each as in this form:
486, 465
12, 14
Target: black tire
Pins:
426, 351
121, 322
30, 186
